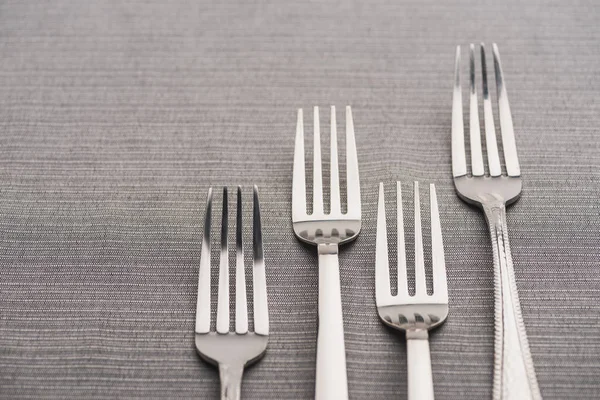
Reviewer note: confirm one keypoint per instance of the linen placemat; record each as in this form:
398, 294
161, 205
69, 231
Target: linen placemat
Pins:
116, 117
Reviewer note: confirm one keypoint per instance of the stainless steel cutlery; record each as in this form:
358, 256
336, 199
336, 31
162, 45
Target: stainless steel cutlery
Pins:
414, 314
232, 351
327, 231
492, 190
488, 185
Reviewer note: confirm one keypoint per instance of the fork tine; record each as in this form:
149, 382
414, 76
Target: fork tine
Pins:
383, 293
317, 172
223, 299
420, 284
402, 275
335, 176
440, 286
261, 310
203, 301
352, 179
459, 161
241, 305
299, 178
475, 131
488, 116
506, 124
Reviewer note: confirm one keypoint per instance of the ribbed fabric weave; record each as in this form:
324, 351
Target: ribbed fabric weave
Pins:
116, 117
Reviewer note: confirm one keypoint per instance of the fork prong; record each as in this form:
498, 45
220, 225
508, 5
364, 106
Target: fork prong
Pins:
203, 300
506, 124
402, 274
352, 178
261, 309
241, 305
490, 129
383, 292
223, 299
440, 286
335, 176
459, 161
420, 284
317, 171
299, 176
474, 129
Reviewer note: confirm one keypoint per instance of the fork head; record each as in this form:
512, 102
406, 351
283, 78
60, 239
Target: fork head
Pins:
241, 347
481, 186
421, 311
319, 227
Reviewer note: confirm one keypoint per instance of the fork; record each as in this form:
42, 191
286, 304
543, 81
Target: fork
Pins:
416, 314
327, 231
232, 351
492, 190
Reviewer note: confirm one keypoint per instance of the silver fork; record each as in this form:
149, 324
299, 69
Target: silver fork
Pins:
232, 351
514, 374
416, 314
327, 232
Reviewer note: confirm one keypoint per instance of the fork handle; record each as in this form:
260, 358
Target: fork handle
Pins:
514, 374
420, 377
331, 380
231, 381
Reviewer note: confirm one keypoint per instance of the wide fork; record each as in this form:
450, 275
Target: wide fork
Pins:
327, 231
421, 312
493, 190
232, 351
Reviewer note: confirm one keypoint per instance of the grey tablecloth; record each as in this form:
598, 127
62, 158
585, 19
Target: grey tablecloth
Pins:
116, 117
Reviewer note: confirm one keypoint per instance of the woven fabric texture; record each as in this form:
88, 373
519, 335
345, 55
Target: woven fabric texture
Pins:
116, 117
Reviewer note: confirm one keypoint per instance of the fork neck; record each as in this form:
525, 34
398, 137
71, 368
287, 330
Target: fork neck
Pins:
495, 212
417, 334
327, 248
231, 381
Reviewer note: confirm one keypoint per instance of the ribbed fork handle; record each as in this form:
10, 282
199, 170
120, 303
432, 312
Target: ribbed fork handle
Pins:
514, 374
331, 379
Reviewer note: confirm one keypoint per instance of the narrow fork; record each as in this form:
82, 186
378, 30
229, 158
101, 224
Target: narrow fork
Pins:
327, 232
514, 374
232, 351
417, 314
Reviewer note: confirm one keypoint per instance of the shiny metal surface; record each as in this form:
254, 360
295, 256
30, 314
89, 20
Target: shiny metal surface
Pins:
514, 373
232, 351
327, 231
335, 227
415, 314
